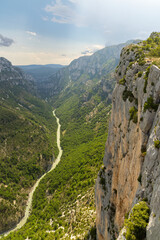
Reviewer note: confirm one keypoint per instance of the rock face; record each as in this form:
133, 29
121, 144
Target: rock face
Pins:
14, 76
8, 72
131, 169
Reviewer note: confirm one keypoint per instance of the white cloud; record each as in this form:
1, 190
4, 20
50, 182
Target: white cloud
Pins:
73, 1
61, 12
66, 13
92, 49
32, 33
45, 18
115, 20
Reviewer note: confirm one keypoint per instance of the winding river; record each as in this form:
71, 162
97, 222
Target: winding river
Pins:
30, 198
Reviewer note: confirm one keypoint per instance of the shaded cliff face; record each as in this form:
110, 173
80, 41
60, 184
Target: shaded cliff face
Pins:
131, 169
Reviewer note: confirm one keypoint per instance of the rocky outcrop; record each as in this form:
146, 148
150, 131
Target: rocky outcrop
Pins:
14, 76
9, 72
131, 170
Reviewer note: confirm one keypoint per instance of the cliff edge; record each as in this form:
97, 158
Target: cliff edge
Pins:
131, 171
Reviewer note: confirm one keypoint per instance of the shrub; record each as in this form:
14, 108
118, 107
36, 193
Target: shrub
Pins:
144, 154
157, 143
141, 61
137, 222
127, 94
122, 81
149, 104
130, 65
155, 52
140, 74
133, 114
149, 40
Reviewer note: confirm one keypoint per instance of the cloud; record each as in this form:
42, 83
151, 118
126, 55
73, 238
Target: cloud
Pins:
45, 18
61, 12
87, 52
114, 20
32, 33
73, 1
92, 49
6, 42
65, 13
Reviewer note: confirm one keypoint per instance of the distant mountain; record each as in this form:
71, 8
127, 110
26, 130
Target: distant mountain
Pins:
40, 72
84, 70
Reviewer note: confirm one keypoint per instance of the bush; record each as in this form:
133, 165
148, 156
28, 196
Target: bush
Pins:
140, 74
157, 143
155, 52
122, 81
133, 114
128, 94
130, 65
141, 61
137, 222
150, 105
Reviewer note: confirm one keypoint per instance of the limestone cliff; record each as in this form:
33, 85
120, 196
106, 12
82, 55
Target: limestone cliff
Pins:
131, 171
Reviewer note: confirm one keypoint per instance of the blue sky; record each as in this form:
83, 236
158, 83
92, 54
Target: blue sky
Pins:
58, 31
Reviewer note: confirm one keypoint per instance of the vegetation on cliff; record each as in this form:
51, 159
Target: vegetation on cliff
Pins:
137, 222
130, 171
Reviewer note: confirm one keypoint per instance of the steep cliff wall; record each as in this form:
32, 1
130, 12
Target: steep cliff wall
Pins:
131, 171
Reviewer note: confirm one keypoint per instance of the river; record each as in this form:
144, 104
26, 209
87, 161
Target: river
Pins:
30, 198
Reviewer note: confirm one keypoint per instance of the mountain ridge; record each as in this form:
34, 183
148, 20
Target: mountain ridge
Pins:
40, 72
83, 69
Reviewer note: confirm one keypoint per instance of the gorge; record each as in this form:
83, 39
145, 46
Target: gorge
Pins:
30, 198
63, 205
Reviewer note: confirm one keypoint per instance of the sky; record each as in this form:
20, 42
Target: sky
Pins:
58, 31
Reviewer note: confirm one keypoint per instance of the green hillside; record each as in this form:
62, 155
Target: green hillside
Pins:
66, 195
27, 139
63, 204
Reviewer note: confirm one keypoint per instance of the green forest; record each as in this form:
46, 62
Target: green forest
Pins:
63, 204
